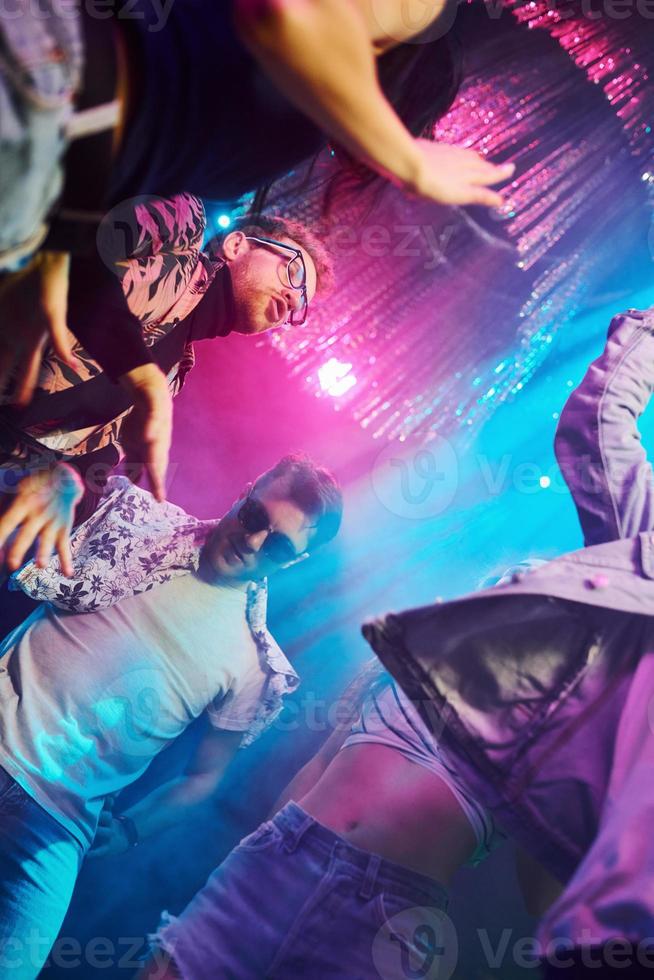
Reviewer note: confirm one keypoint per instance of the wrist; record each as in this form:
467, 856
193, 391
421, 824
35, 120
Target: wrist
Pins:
141, 377
415, 172
67, 481
395, 154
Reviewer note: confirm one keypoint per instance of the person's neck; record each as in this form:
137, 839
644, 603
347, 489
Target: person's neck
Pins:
216, 312
209, 574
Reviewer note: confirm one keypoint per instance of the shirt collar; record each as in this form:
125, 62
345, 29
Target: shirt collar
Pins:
215, 314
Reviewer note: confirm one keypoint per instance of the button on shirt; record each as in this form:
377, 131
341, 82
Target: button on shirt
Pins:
87, 700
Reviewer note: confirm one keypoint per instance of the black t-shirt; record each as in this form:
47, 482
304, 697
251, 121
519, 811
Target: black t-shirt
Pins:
205, 118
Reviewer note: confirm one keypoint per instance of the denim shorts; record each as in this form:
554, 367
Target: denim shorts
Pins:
295, 900
40, 68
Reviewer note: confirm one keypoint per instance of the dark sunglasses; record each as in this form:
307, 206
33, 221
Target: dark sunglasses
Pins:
254, 518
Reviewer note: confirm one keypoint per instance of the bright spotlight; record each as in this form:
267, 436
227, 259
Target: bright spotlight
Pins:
224, 221
335, 377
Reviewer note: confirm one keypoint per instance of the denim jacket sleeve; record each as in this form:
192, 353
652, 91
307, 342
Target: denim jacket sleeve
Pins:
598, 444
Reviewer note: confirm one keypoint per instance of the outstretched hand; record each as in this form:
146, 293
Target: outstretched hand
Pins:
33, 308
456, 175
43, 507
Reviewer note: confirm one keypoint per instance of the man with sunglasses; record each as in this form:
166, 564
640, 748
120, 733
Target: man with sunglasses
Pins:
255, 277
163, 621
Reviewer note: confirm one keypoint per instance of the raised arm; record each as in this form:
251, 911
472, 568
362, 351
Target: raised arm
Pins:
321, 54
310, 773
598, 444
349, 704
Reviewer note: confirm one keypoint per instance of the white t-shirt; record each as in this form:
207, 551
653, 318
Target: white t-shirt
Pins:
87, 700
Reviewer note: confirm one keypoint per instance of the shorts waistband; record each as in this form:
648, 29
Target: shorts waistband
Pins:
299, 827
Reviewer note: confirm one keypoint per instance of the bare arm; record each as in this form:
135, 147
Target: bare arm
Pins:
310, 774
321, 54
173, 801
598, 445
349, 707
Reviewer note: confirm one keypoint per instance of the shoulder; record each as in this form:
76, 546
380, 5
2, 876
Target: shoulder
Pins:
632, 316
161, 222
120, 489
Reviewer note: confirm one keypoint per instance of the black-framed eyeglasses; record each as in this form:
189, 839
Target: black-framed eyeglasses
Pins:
296, 274
254, 518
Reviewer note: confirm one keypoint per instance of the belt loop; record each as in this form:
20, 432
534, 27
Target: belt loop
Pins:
295, 835
368, 886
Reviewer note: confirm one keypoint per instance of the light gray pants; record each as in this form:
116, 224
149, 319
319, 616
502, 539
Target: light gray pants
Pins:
40, 64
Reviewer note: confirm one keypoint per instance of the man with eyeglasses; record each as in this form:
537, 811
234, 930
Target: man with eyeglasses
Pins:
255, 277
164, 621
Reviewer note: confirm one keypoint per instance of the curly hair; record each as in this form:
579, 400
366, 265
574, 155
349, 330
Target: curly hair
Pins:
274, 226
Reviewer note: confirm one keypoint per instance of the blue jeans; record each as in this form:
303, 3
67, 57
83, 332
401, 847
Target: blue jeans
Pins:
295, 900
39, 863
